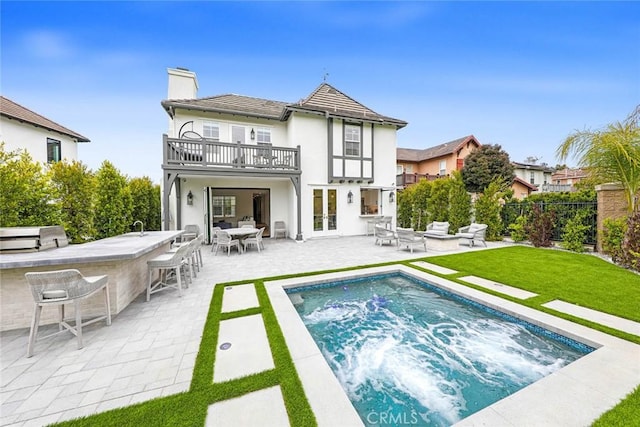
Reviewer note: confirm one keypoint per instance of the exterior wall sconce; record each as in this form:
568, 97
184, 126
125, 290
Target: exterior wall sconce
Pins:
350, 197
190, 198
252, 134
392, 197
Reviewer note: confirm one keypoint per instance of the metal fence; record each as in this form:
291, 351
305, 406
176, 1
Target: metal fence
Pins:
563, 211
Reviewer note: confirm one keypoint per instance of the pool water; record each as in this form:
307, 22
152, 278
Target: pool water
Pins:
408, 353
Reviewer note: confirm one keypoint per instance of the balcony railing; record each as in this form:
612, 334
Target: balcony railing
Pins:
556, 188
215, 154
406, 179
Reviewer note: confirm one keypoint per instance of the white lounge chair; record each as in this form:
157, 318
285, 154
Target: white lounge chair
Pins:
384, 234
436, 227
473, 233
411, 238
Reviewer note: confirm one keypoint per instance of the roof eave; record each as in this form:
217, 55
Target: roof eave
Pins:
76, 136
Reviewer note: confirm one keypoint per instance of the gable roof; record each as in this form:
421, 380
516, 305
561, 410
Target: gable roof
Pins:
16, 111
325, 99
525, 183
331, 102
415, 155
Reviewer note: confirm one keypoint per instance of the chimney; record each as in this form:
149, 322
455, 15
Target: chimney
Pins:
183, 84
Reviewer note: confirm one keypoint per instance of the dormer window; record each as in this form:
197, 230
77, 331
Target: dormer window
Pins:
352, 140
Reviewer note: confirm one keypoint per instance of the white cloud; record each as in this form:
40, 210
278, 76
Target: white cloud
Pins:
48, 44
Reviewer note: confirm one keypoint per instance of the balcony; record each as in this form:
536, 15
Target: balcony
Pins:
203, 154
406, 179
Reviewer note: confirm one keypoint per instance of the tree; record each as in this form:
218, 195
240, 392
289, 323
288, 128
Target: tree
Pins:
459, 203
438, 202
484, 165
488, 208
113, 202
74, 186
25, 193
611, 154
146, 202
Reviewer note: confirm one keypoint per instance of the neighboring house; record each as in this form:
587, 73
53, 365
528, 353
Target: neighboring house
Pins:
434, 162
522, 189
324, 165
536, 175
45, 140
566, 179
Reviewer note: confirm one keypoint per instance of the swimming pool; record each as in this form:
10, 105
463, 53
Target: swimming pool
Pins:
409, 353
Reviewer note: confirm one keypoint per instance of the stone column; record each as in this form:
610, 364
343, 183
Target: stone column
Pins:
612, 204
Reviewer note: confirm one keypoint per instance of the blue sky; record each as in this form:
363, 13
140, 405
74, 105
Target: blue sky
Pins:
520, 74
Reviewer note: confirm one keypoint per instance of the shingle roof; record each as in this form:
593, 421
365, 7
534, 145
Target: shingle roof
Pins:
331, 101
415, 155
324, 99
16, 111
230, 104
544, 167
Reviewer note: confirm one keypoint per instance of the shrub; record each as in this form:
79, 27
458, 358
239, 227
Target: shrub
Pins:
518, 229
631, 243
613, 232
540, 227
575, 233
438, 202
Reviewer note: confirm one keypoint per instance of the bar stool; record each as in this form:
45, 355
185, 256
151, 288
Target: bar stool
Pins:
62, 287
170, 262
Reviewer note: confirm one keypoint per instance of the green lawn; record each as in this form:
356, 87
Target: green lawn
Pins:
576, 278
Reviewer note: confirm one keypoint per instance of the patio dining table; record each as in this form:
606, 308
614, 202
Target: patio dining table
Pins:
241, 233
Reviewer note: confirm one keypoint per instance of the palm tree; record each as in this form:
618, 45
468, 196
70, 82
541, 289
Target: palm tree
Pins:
611, 154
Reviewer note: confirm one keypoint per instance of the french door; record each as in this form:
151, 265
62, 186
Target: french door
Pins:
325, 212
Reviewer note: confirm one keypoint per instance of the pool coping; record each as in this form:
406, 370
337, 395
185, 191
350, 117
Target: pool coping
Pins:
574, 395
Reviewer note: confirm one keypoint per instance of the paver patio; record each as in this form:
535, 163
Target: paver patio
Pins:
150, 348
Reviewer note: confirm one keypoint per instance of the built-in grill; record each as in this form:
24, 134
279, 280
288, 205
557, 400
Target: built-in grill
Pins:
31, 239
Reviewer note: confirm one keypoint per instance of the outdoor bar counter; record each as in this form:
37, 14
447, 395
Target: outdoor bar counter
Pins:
123, 258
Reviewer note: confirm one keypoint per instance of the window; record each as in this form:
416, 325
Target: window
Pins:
263, 136
224, 206
369, 201
53, 150
352, 140
443, 168
532, 177
211, 130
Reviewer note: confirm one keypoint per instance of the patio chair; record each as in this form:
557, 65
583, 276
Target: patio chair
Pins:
383, 234
279, 228
191, 231
225, 241
411, 238
171, 265
62, 287
473, 233
255, 240
214, 238
436, 227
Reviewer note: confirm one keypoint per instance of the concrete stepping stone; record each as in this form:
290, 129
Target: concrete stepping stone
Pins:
499, 287
242, 349
239, 297
605, 319
434, 267
261, 408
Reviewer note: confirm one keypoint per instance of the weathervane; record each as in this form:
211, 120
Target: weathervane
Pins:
326, 74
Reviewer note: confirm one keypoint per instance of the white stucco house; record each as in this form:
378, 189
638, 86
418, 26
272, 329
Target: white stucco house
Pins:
536, 175
45, 140
323, 165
